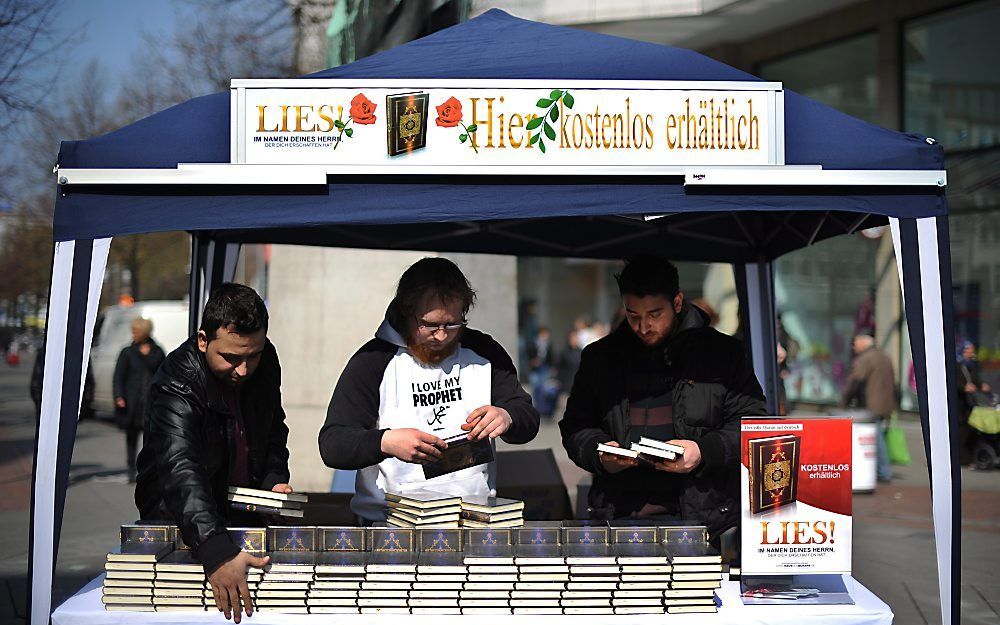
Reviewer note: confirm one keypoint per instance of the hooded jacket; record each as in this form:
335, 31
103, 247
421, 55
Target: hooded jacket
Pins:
187, 454
714, 387
384, 387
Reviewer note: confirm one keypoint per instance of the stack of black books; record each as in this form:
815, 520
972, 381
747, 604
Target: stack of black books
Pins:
389, 577
180, 583
129, 574
696, 573
441, 574
339, 575
485, 512
266, 502
418, 508
594, 572
543, 573
489, 559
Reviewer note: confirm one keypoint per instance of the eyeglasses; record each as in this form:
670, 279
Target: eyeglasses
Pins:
432, 328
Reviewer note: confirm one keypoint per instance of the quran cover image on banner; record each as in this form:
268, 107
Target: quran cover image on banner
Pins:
796, 495
407, 122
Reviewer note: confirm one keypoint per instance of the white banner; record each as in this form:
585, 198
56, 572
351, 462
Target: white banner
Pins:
478, 124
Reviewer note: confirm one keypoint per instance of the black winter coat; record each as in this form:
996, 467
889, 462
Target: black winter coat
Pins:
715, 387
133, 372
186, 459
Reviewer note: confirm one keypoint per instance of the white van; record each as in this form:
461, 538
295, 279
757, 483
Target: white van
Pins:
114, 332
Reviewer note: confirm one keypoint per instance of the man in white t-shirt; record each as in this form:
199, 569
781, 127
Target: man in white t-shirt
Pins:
425, 377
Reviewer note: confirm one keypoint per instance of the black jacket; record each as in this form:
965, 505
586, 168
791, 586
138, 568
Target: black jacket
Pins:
186, 458
715, 387
133, 372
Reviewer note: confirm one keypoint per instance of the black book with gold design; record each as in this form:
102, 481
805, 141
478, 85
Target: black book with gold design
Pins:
407, 122
774, 472
461, 453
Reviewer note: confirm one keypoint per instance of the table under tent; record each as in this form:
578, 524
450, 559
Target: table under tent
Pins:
832, 175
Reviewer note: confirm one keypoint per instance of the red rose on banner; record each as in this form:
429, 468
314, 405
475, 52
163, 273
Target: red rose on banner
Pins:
449, 113
362, 110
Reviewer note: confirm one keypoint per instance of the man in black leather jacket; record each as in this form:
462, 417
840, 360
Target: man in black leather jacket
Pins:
663, 374
208, 428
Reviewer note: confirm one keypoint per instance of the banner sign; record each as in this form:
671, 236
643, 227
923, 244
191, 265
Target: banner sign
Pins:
796, 496
387, 126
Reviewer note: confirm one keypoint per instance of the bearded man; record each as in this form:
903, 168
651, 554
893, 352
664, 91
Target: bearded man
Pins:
425, 377
665, 374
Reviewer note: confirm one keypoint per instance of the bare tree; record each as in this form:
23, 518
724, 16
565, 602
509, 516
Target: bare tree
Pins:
27, 40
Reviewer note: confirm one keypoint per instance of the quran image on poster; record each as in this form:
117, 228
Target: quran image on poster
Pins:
796, 496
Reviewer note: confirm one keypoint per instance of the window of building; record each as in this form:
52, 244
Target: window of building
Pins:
843, 75
951, 82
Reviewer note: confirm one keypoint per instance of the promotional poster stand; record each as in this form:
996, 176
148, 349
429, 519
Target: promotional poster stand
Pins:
826, 174
796, 510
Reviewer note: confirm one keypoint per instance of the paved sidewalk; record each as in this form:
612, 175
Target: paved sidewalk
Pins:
893, 536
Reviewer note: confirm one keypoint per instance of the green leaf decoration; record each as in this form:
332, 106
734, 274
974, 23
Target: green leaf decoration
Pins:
555, 94
568, 100
554, 114
463, 137
338, 124
550, 132
543, 103
541, 146
472, 127
349, 132
534, 139
535, 123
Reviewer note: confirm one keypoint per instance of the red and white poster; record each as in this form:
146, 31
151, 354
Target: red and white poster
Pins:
796, 495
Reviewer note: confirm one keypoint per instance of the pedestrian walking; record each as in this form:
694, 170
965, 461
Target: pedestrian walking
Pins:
135, 367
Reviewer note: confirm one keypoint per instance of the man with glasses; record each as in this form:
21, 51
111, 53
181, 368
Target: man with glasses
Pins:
425, 377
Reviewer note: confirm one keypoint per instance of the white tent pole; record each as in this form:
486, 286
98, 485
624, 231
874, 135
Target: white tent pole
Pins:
77, 275
923, 255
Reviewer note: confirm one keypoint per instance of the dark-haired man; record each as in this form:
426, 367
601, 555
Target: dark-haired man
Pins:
425, 377
663, 373
209, 428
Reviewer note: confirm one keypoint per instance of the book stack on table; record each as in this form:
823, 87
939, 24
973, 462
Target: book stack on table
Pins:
696, 573
441, 574
266, 502
129, 574
339, 575
418, 508
389, 578
489, 559
289, 575
539, 568
180, 583
484, 512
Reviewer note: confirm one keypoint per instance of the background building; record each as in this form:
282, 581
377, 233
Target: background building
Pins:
926, 66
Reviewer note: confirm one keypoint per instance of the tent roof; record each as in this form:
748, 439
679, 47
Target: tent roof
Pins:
499, 46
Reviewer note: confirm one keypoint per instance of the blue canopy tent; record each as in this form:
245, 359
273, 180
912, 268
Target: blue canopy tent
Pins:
855, 176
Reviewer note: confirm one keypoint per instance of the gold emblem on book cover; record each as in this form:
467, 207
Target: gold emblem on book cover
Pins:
409, 124
777, 474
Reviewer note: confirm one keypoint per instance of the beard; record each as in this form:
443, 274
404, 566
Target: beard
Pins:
431, 354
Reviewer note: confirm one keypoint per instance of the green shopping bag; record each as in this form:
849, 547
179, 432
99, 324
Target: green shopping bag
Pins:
895, 443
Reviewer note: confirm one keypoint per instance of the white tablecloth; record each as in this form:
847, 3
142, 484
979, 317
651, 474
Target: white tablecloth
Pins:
85, 608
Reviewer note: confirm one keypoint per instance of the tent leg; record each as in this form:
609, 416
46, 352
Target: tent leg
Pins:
212, 263
923, 256
755, 284
75, 292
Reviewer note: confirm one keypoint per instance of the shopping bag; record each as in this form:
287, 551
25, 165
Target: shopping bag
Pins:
895, 443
